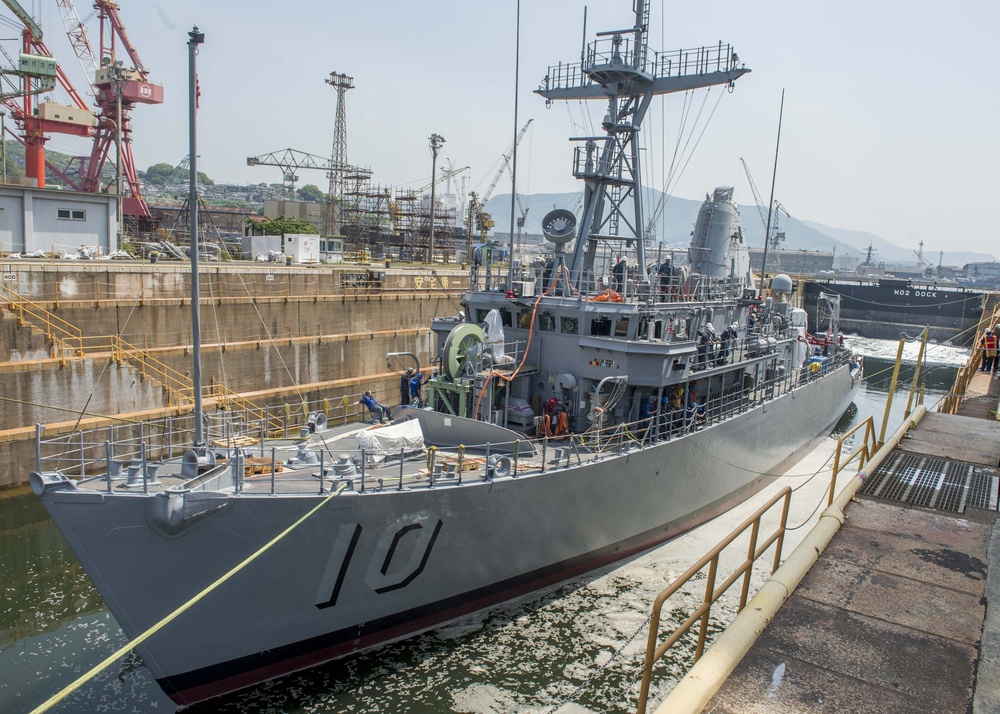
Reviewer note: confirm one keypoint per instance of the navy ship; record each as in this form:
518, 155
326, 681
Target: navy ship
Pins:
577, 418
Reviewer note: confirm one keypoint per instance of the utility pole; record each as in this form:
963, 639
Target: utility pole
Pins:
437, 141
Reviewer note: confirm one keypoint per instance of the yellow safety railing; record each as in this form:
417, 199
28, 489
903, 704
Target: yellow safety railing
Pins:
968, 370
867, 449
712, 593
180, 388
22, 307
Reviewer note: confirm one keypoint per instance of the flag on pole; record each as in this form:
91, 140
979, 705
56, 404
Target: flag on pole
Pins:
197, 93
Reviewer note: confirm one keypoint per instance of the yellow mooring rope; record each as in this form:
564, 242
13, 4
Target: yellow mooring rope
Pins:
44, 707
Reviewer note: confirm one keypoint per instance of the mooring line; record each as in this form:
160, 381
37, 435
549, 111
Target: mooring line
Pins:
56, 699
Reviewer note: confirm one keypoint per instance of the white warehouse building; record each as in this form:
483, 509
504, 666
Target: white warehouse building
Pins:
50, 220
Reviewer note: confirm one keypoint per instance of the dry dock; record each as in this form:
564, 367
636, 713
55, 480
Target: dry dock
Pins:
901, 613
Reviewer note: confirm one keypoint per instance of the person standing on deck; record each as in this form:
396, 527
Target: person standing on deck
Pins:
726, 340
666, 272
417, 381
619, 273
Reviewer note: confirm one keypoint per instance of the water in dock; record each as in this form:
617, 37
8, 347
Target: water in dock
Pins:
577, 648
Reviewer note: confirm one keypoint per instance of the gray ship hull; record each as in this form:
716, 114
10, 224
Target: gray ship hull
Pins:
373, 567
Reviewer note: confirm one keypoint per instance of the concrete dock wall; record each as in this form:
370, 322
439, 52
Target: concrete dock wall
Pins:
279, 331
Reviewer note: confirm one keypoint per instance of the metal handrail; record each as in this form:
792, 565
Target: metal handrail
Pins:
22, 306
712, 594
868, 447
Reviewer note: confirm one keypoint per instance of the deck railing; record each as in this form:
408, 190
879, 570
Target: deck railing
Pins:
241, 426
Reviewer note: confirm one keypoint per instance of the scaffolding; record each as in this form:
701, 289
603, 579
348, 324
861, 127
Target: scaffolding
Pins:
395, 224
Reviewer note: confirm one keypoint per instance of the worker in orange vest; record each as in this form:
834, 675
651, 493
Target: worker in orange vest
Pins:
989, 343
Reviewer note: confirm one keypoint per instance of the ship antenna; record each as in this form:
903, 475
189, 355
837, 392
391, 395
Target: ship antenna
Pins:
619, 68
513, 162
770, 206
195, 38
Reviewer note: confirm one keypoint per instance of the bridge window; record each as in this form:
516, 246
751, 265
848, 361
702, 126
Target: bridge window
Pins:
547, 322
600, 327
621, 327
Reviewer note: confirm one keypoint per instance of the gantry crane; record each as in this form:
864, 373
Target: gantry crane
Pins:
291, 160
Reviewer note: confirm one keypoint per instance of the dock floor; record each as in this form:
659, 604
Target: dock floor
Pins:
902, 611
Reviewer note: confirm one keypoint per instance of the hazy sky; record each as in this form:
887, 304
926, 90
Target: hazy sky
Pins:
891, 108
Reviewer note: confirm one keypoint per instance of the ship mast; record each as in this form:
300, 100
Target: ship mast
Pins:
619, 66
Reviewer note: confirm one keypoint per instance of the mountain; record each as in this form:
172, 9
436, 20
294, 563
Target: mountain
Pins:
892, 253
677, 219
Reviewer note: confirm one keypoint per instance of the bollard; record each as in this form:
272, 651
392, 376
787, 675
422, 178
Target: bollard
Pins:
272, 470
38, 448
107, 462
431, 453
402, 453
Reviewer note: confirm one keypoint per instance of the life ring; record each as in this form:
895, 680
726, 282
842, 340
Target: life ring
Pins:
608, 296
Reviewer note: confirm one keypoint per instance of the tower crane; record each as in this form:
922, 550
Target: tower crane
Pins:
447, 173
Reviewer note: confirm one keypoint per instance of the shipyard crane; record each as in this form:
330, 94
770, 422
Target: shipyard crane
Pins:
37, 119
291, 160
478, 216
447, 172
118, 89
777, 237
922, 262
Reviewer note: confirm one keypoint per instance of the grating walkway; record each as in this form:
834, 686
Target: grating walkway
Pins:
921, 480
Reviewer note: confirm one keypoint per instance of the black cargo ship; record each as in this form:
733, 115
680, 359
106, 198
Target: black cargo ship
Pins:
886, 307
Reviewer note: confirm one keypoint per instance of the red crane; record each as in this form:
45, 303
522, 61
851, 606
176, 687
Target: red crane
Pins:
117, 90
46, 117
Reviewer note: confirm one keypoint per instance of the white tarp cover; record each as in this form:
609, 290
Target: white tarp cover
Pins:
495, 338
385, 440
